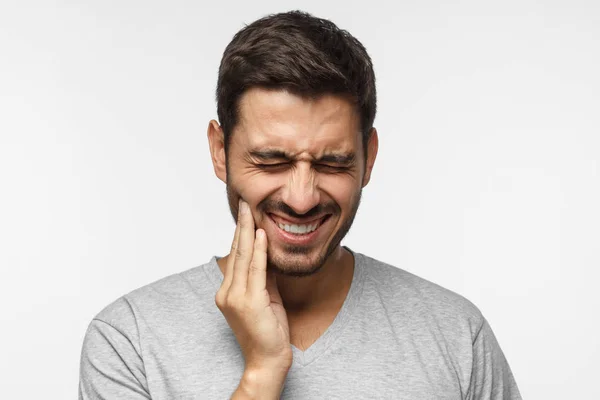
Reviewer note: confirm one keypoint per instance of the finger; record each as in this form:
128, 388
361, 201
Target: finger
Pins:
257, 276
231, 258
243, 254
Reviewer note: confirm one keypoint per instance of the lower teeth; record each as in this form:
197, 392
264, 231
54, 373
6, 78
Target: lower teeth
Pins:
296, 233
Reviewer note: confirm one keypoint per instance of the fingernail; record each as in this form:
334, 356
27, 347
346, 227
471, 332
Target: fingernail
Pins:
244, 207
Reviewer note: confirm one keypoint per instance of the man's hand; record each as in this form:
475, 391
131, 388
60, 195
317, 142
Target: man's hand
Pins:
251, 303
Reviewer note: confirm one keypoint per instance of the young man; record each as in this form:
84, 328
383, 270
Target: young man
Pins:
289, 312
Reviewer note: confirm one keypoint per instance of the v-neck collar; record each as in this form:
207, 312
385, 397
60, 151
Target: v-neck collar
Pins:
331, 334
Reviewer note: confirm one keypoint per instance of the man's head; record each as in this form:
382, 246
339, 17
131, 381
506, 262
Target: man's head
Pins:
296, 101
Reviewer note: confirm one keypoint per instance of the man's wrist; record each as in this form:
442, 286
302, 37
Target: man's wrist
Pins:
261, 384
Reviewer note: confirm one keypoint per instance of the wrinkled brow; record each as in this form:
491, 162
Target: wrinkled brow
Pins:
277, 155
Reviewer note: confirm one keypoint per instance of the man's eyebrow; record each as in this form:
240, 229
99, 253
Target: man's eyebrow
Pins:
332, 158
339, 159
268, 154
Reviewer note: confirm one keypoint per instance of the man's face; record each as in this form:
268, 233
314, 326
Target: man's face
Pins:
299, 164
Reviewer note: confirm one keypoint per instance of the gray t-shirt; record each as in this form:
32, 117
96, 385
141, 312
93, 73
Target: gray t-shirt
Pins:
397, 336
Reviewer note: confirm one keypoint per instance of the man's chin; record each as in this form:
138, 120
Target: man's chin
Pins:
298, 264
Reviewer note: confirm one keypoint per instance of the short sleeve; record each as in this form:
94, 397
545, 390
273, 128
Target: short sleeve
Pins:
111, 367
491, 377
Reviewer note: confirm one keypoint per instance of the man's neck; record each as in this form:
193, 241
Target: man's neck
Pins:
322, 290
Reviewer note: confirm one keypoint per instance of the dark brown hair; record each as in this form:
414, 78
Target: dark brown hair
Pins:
303, 54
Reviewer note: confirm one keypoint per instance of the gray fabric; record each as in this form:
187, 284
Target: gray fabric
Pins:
397, 336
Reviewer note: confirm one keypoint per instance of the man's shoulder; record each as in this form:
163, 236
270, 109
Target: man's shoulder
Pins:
418, 296
175, 291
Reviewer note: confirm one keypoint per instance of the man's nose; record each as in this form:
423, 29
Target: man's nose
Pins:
301, 192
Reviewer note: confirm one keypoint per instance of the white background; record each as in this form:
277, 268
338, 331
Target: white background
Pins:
486, 182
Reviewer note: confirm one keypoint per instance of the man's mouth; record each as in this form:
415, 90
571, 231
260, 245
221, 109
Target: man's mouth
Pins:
299, 227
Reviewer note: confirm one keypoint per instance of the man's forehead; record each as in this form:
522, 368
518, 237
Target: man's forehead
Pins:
293, 126
278, 111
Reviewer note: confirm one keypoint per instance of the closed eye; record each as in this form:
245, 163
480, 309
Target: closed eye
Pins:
331, 168
272, 166
321, 167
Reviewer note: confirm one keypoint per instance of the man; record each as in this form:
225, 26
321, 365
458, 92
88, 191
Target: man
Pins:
289, 312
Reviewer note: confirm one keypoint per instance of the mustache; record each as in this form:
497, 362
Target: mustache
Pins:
320, 209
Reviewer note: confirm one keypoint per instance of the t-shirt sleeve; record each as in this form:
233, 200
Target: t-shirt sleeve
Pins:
111, 367
491, 377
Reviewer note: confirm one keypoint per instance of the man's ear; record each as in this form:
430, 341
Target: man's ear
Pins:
372, 148
216, 143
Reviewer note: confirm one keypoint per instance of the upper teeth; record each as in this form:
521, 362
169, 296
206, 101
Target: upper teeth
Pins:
299, 228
